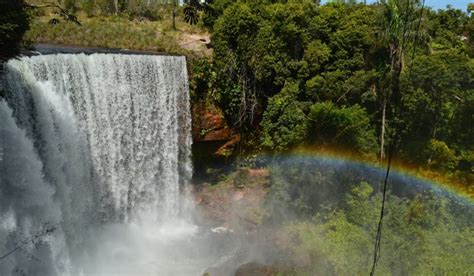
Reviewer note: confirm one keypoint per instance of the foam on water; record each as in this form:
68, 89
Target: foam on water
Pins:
97, 147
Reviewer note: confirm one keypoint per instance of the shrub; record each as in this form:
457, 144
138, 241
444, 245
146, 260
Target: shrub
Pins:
346, 126
14, 22
441, 157
284, 124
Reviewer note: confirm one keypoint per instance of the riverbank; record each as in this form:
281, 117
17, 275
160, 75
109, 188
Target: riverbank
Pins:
121, 33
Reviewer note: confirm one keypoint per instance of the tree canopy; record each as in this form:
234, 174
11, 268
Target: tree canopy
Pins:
300, 73
14, 22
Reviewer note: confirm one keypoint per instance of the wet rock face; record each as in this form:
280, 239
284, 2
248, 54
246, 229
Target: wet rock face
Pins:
214, 140
209, 124
212, 136
236, 203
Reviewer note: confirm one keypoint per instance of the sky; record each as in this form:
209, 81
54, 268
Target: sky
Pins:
437, 4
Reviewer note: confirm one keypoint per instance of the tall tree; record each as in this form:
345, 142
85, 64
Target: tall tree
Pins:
401, 23
174, 14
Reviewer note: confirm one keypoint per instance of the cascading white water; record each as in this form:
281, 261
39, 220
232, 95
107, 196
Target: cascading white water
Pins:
88, 140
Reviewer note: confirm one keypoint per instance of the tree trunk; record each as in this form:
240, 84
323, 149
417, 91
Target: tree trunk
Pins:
396, 71
116, 6
382, 135
174, 15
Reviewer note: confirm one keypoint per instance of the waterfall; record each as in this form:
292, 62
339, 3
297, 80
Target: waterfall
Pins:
87, 140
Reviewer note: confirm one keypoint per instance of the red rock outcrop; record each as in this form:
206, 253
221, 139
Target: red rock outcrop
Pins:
209, 125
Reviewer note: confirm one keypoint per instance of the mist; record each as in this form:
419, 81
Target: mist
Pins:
96, 179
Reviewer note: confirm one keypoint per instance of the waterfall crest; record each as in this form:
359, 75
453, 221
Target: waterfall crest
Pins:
86, 139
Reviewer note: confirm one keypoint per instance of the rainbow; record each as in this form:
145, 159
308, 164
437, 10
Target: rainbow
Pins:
423, 179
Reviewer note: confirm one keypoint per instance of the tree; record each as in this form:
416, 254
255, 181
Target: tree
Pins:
193, 8
330, 55
234, 41
401, 27
284, 124
423, 236
215, 9
14, 22
440, 155
345, 126
435, 100
174, 14
447, 27
400, 21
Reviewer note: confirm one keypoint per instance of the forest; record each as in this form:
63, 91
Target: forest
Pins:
386, 82
298, 74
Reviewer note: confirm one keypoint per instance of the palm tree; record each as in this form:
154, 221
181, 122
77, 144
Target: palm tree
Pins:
192, 9
401, 21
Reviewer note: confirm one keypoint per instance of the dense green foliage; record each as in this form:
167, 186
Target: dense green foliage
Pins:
330, 214
294, 73
286, 124
436, 97
14, 22
347, 126
421, 237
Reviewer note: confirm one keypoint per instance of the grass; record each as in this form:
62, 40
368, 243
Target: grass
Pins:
113, 32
